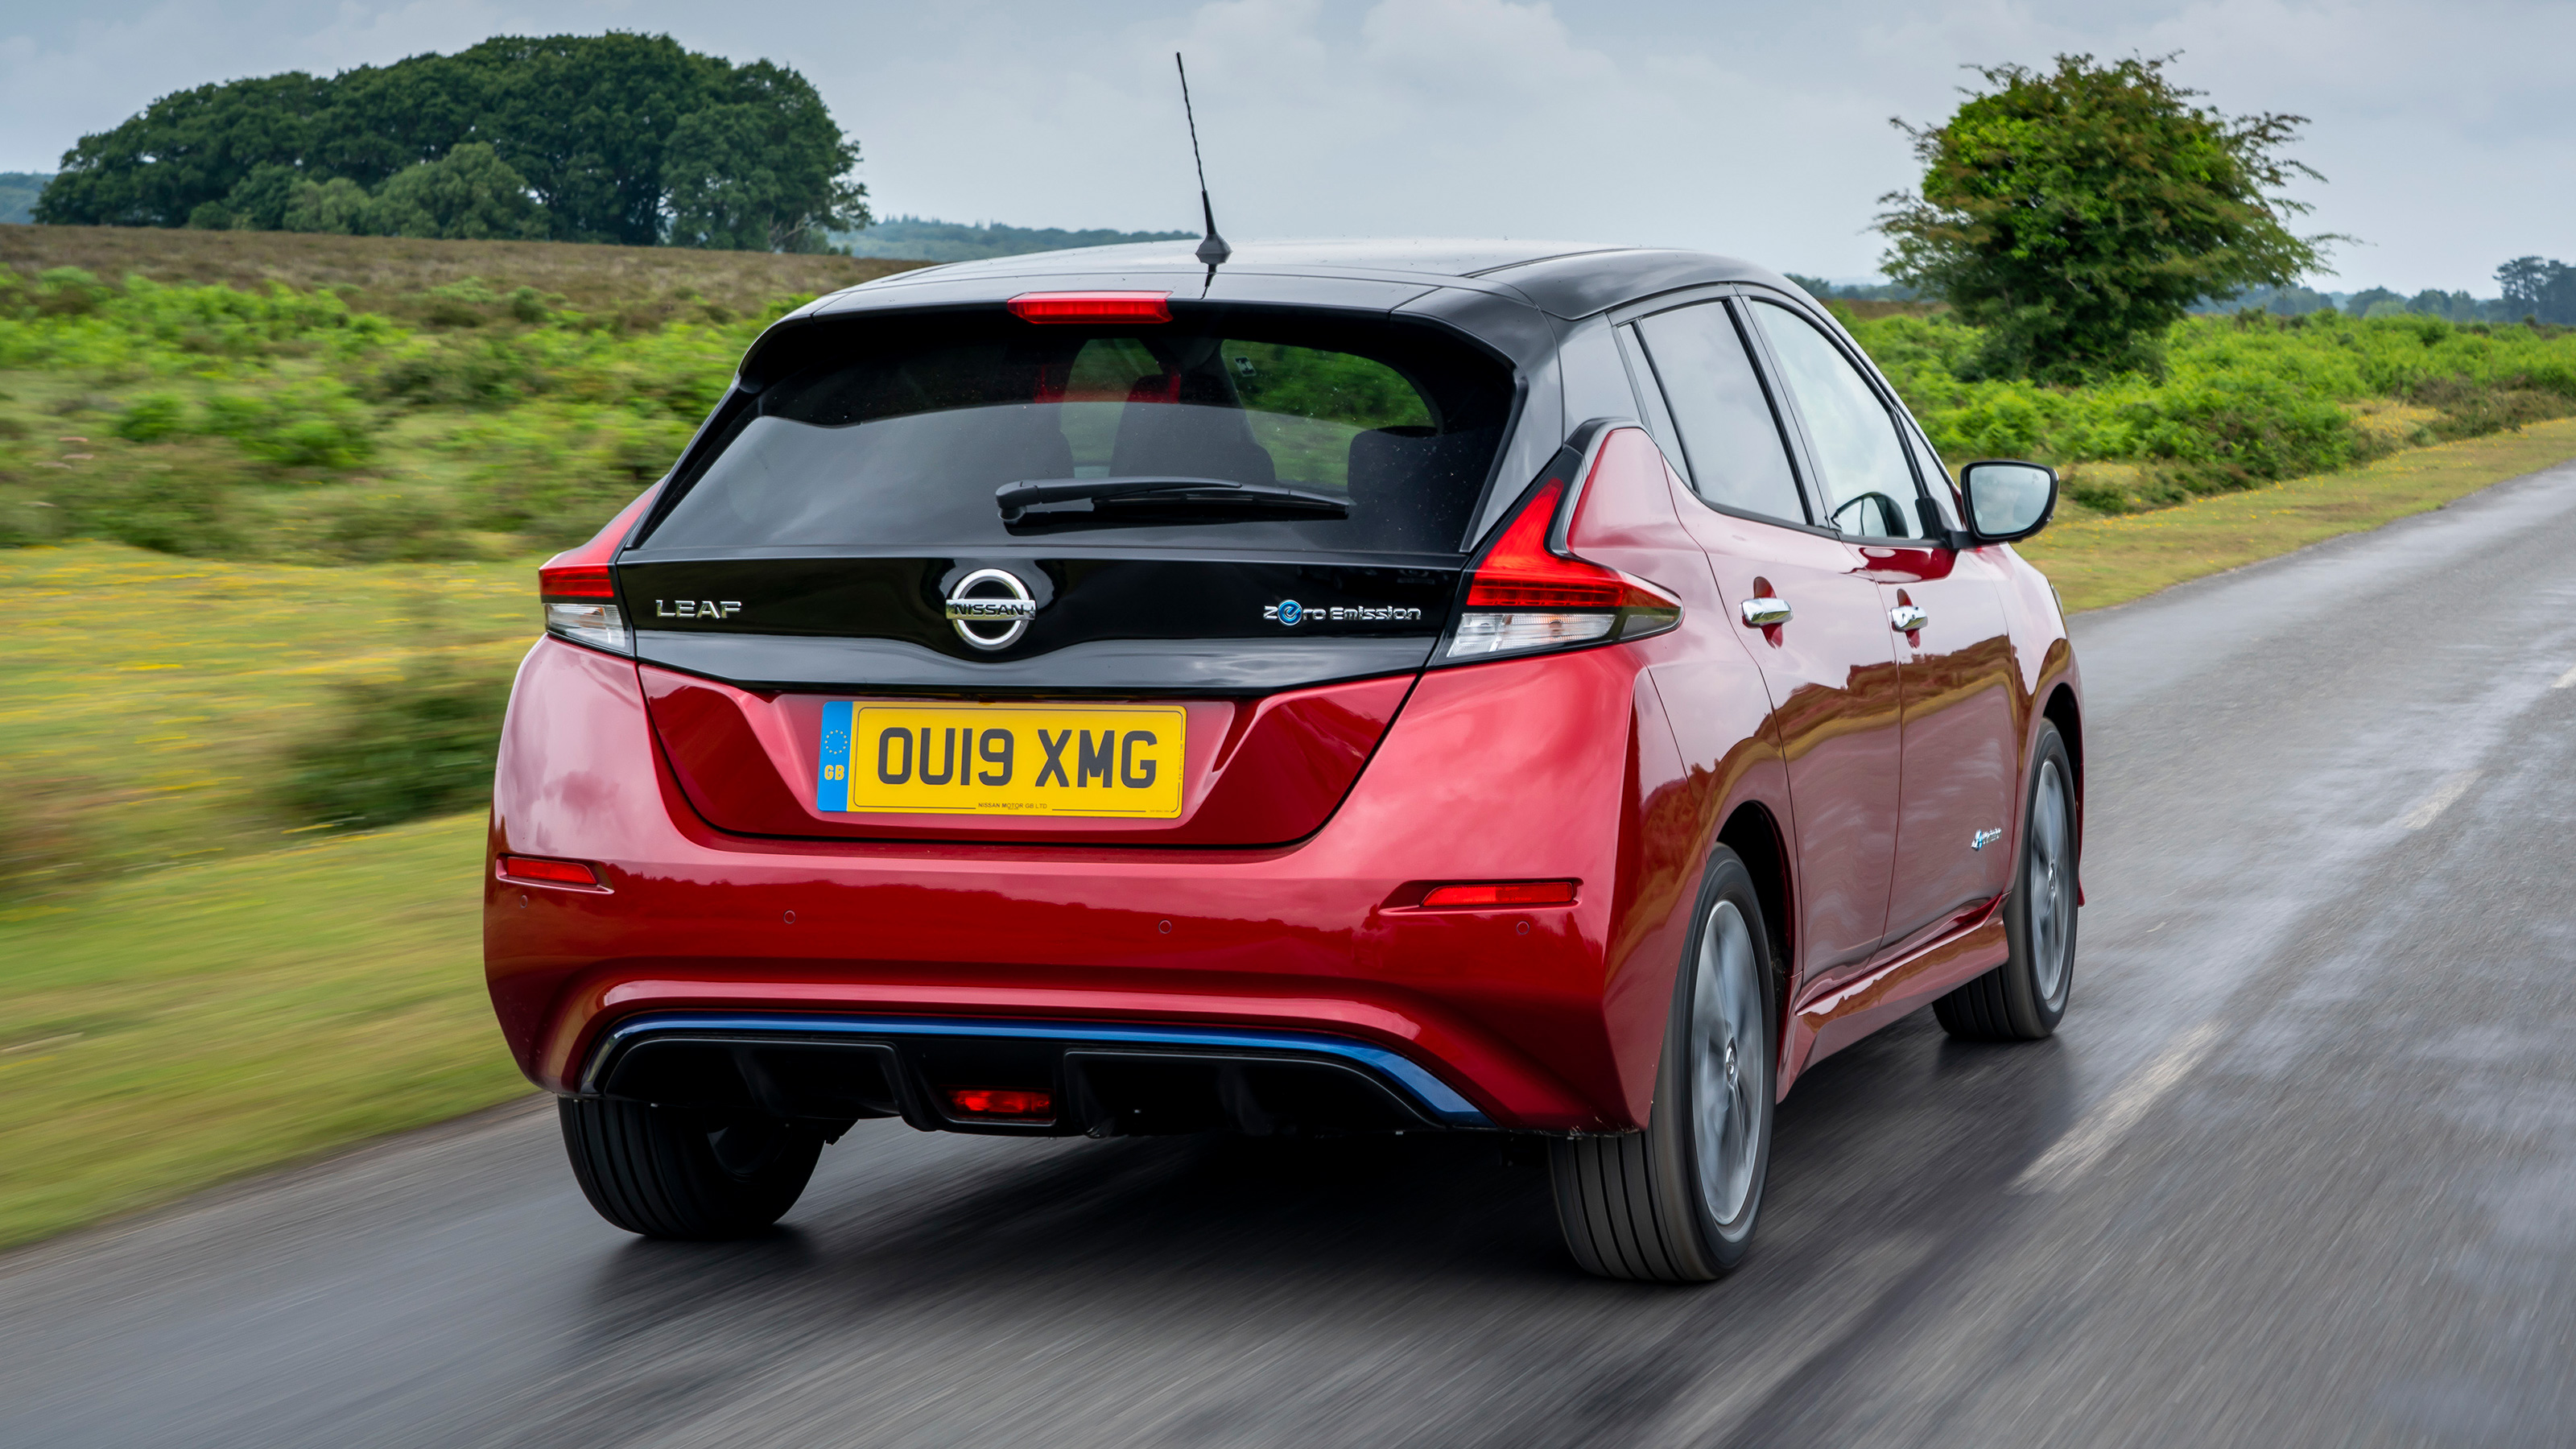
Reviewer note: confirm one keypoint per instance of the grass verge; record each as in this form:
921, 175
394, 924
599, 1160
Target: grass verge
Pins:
175, 1029
151, 703
2097, 562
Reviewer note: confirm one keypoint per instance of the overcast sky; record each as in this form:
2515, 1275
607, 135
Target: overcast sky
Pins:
1762, 131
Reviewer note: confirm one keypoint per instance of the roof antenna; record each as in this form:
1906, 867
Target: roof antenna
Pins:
1212, 248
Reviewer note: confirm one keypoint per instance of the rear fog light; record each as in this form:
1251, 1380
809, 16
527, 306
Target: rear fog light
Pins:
1002, 1104
1501, 893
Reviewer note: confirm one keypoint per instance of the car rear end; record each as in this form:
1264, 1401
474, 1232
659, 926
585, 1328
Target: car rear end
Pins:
1038, 706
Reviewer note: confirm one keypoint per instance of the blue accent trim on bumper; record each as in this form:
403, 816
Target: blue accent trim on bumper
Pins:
1436, 1098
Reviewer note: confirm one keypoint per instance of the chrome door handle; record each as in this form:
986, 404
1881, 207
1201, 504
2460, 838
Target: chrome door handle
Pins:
1906, 618
1765, 611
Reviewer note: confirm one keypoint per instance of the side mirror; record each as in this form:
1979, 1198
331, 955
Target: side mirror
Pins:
2007, 500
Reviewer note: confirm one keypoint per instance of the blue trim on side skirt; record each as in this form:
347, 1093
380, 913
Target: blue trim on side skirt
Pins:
1435, 1097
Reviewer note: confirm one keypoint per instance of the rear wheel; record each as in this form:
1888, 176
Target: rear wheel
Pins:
1676, 1203
2023, 999
669, 1173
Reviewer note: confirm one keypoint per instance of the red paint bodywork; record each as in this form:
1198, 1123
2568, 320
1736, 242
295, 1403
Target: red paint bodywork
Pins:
1316, 823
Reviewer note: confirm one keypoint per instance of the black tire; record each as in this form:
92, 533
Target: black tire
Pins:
667, 1173
1639, 1206
2025, 998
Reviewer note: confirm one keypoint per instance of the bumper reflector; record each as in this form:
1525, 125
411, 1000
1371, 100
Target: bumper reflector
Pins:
1502, 893
548, 872
1002, 1104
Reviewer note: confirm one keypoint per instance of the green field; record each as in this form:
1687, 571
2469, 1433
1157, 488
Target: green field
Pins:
172, 1029
277, 466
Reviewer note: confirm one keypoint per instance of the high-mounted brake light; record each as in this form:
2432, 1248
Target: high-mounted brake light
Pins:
580, 598
1525, 596
1092, 306
1002, 1104
1500, 893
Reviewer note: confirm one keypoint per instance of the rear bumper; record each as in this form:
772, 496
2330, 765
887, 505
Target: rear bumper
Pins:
1536, 1018
1101, 1080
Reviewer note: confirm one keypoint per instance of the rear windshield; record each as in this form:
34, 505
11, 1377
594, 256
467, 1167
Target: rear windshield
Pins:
1347, 436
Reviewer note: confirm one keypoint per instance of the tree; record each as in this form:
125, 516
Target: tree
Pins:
338, 205
2534, 287
469, 193
585, 122
182, 151
586, 119
769, 174
2077, 213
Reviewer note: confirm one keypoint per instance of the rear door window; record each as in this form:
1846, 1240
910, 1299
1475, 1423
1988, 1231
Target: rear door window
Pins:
1377, 437
1730, 432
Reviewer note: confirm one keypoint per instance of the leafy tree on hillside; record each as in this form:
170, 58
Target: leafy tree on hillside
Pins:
586, 123
2076, 214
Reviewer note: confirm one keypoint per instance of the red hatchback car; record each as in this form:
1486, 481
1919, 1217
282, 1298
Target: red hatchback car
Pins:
1360, 687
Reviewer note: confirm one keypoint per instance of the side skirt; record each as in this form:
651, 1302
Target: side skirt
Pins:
1819, 1028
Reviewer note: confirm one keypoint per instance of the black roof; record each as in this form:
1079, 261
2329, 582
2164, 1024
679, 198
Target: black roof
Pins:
1566, 279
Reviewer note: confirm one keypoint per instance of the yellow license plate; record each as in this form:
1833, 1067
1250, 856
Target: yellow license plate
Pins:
1001, 759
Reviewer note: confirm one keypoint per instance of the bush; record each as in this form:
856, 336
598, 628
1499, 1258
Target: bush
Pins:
2472, 410
317, 425
555, 473
151, 418
403, 749
178, 510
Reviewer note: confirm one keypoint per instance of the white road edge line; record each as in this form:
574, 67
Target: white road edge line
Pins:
2069, 1156
2430, 808
2565, 680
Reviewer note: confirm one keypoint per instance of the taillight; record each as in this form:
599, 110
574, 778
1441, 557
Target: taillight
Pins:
580, 599
1092, 306
1525, 596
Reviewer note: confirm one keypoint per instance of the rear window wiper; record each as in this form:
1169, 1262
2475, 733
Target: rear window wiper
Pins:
1193, 495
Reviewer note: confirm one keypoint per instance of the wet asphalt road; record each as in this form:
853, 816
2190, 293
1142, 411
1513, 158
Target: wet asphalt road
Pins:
2300, 1169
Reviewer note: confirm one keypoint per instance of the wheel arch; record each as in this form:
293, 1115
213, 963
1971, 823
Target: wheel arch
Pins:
1757, 840
2063, 712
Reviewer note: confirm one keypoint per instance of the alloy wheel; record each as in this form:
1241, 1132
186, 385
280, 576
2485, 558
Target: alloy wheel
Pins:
1730, 1064
2049, 884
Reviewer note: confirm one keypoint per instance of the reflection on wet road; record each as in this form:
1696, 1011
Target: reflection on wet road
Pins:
2301, 1168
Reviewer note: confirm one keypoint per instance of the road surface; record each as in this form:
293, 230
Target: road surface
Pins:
2300, 1169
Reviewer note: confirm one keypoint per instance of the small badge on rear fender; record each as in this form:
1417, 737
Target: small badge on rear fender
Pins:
1985, 838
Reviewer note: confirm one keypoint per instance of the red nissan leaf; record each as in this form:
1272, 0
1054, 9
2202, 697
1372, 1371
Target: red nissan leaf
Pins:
1460, 687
